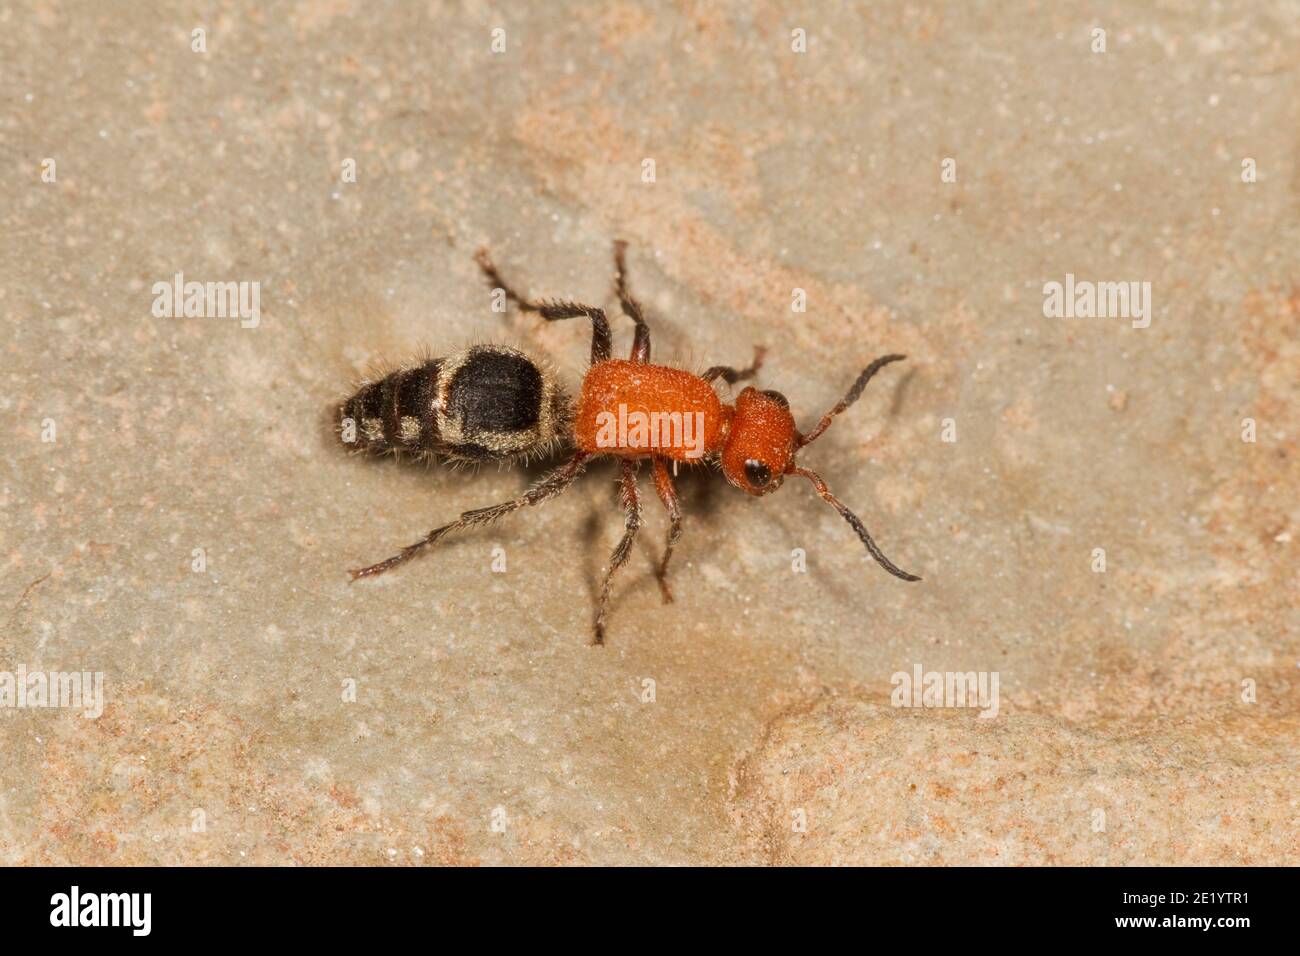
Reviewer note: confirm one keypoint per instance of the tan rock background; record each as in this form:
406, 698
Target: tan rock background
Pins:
486, 729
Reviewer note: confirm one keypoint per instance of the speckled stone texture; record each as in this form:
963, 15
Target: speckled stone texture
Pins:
1148, 712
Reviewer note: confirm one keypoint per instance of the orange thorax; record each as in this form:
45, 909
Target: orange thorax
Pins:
635, 410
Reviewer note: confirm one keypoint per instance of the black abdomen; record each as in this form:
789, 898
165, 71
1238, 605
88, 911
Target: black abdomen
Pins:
488, 402
394, 413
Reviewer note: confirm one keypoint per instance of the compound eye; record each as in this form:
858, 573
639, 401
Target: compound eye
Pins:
777, 397
757, 473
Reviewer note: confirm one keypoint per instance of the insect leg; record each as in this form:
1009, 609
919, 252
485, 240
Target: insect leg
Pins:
631, 308
545, 489
668, 495
733, 375
554, 311
631, 499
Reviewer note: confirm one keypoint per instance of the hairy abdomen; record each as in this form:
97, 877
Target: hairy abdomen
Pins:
485, 403
394, 413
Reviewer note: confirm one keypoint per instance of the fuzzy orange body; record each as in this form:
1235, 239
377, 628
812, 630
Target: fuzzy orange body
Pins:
637, 410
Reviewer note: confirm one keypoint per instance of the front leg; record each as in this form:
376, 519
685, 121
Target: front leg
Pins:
668, 495
733, 375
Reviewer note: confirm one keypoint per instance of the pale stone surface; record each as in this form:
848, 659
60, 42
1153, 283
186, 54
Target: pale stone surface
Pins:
485, 728
848, 782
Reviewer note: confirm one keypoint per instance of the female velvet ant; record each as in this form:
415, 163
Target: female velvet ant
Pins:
755, 441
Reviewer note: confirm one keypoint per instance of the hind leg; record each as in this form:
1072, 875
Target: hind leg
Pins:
547, 488
554, 311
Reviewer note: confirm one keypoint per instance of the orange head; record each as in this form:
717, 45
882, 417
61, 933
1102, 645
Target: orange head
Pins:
762, 441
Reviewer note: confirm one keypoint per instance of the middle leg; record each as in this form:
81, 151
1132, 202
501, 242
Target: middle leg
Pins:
631, 308
631, 499
668, 495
